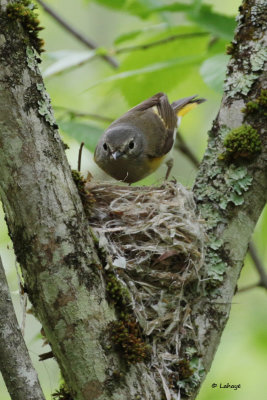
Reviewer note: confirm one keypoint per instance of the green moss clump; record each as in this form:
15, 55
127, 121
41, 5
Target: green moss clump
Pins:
126, 332
230, 49
262, 99
185, 370
242, 142
126, 336
117, 293
251, 107
259, 105
66, 146
86, 197
23, 11
62, 393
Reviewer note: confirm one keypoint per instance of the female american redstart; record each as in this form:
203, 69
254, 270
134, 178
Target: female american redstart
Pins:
137, 143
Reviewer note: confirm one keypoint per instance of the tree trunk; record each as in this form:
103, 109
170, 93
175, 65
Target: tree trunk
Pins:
62, 267
49, 229
15, 366
231, 186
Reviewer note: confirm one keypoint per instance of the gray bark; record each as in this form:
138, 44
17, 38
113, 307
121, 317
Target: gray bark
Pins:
231, 209
47, 224
15, 363
49, 229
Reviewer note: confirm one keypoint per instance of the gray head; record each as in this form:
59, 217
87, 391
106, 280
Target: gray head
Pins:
121, 142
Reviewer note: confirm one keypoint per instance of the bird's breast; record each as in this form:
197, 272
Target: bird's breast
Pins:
131, 170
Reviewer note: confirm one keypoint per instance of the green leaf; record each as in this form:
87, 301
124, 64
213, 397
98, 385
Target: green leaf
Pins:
140, 8
213, 71
134, 34
67, 60
148, 69
174, 7
82, 132
127, 36
219, 24
170, 70
117, 4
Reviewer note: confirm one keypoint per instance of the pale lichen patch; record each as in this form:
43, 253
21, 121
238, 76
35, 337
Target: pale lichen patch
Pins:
45, 108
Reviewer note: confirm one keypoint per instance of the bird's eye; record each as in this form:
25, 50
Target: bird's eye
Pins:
105, 146
131, 144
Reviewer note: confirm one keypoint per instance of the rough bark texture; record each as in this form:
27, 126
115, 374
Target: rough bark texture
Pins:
48, 227
231, 186
15, 363
50, 232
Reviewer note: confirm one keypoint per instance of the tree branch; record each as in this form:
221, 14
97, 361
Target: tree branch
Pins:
258, 265
159, 42
74, 32
50, 232
16, 366
75, 113
182, 146
231, 191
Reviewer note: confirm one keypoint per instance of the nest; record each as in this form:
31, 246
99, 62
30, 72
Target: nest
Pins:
154, 241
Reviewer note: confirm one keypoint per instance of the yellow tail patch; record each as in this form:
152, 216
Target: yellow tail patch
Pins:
186, 108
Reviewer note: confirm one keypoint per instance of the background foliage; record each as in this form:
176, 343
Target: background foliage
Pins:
81, 82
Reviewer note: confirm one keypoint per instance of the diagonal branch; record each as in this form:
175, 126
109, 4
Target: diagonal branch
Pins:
16, 366
160, 42
74, 113
231, 187
259, 267
88, 42
183, 147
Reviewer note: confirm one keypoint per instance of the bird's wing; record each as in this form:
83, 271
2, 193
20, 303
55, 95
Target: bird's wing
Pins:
162, 118
160, 105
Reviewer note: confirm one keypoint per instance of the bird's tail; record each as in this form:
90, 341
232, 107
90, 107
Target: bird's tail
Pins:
182, 106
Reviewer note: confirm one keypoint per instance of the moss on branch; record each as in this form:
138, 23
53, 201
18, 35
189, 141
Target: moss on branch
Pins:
241, 142
23, 11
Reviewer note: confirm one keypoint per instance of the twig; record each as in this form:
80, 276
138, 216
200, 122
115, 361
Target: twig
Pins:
258, 264
16, 366
182, 146
248, 287
23, 300
159, 42
85, 115
88, 42
80, 156
259, 267
46, 356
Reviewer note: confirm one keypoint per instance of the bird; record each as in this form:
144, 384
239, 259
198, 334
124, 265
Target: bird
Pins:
138, 142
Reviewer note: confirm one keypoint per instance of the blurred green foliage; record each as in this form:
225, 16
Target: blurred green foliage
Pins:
161, 45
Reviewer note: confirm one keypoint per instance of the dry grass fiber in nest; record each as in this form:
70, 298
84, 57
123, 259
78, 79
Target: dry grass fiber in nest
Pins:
154, 241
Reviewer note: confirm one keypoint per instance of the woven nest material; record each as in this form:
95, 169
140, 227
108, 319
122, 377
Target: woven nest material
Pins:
154, 241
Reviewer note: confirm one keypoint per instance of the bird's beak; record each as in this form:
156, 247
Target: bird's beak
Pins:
117, 154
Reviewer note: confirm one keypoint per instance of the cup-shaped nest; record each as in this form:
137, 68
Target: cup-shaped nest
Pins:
153, 241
